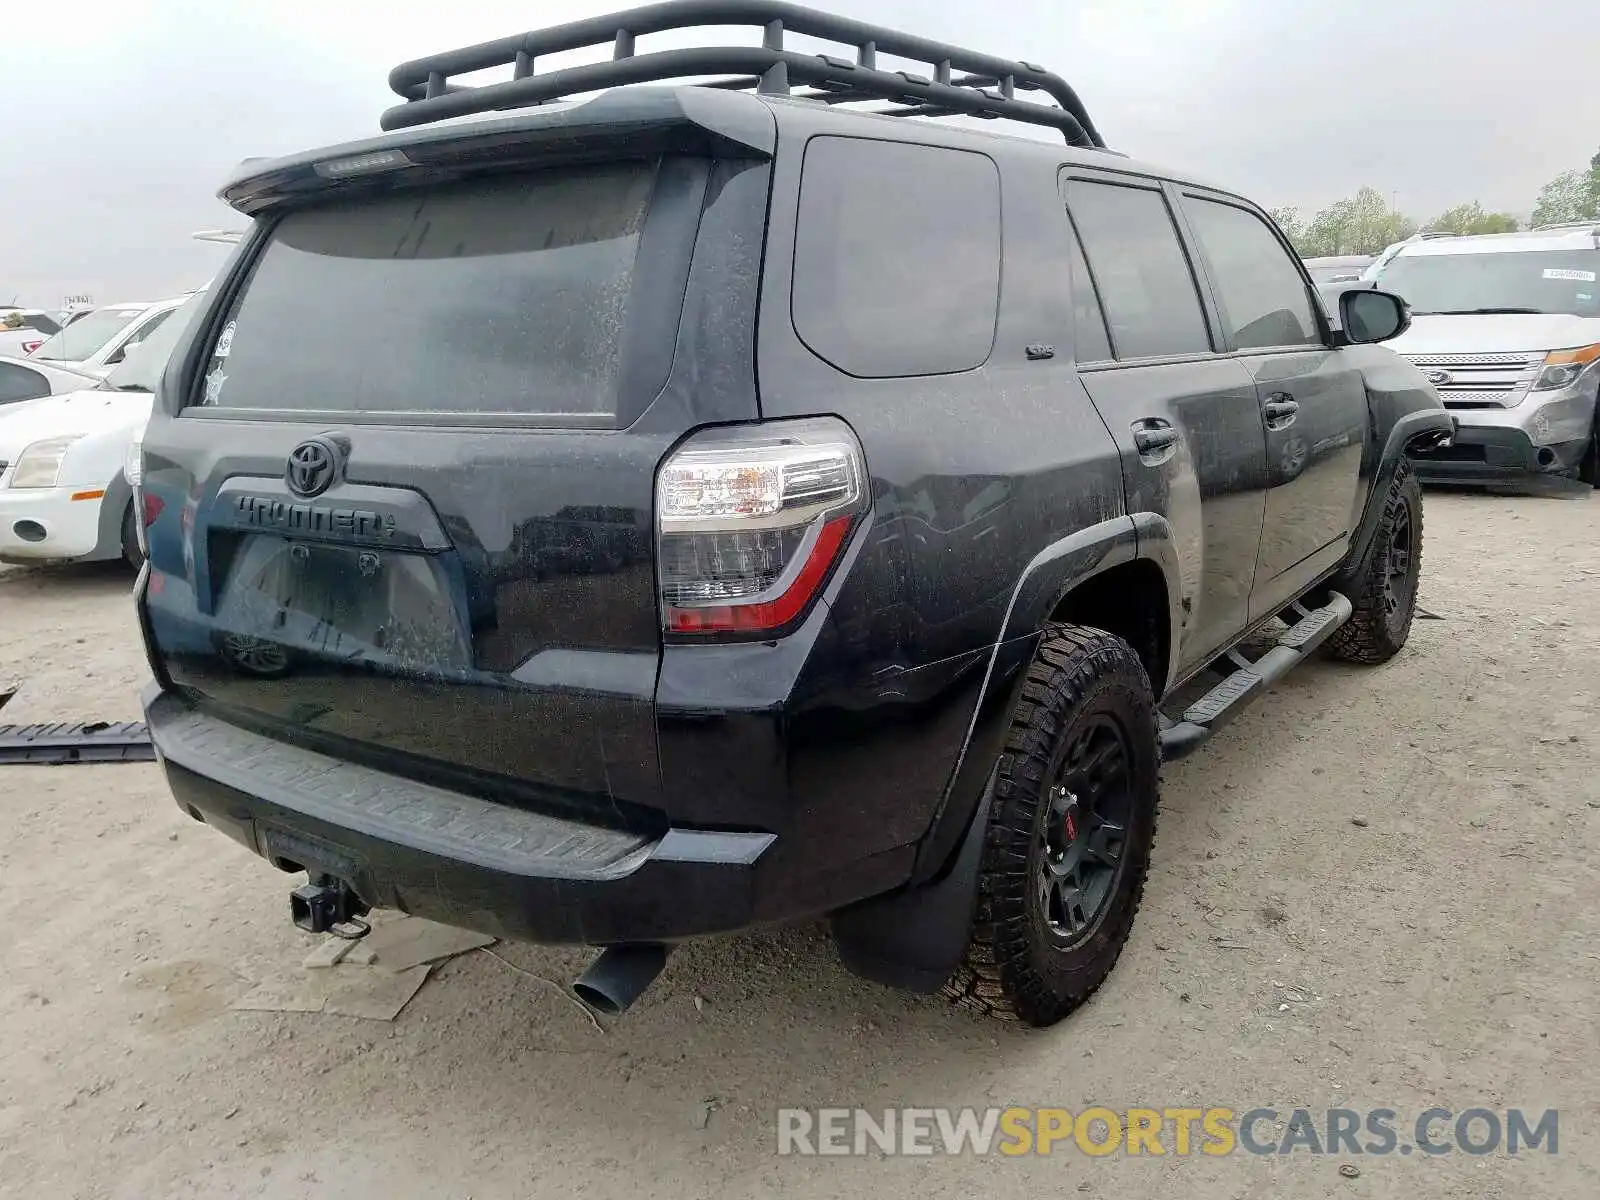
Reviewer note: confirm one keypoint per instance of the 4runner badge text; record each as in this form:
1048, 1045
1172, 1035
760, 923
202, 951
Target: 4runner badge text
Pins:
267, 512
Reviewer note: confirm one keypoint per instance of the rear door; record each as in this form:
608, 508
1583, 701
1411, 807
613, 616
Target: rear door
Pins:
1313, 402
1185, 416
406, 505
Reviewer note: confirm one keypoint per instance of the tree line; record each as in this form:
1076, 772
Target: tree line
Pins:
1365, 223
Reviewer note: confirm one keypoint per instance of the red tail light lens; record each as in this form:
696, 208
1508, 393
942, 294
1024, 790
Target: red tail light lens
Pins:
750, 523
29, 347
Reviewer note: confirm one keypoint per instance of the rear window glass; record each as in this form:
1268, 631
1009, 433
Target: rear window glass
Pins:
897, 257
84, 339
502, 295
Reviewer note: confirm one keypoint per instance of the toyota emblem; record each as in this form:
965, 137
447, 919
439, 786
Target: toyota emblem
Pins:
1439, 378
313, 467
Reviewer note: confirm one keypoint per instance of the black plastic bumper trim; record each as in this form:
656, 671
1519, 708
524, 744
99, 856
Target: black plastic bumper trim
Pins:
59, 745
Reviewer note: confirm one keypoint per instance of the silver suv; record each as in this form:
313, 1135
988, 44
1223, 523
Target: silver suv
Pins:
1507, 328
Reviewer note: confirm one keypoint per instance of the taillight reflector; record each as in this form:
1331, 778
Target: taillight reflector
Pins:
772, 614
750, 520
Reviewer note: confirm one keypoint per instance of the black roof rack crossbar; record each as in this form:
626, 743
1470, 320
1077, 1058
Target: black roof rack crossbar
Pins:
957, 82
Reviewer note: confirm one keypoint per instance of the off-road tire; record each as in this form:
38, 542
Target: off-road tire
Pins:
1015, 968
131, 554
1377, 630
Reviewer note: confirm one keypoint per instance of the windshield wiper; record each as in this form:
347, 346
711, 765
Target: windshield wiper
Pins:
1480, 312
131, 387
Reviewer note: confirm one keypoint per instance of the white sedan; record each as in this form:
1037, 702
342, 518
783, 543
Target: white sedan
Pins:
98, 342
64, 494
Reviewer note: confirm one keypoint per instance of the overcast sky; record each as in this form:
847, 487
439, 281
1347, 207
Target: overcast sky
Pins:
121, 119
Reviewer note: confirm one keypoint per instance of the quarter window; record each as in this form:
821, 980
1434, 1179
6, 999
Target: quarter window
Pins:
897, 257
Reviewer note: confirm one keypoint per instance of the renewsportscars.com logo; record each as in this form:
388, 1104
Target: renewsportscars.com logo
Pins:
1181, 1132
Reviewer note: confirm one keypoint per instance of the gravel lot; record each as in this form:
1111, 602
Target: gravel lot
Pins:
1447, 952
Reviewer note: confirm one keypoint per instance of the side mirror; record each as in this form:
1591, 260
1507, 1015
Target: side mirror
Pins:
1369, 316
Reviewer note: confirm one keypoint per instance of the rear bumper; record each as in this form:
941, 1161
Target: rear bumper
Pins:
452, 857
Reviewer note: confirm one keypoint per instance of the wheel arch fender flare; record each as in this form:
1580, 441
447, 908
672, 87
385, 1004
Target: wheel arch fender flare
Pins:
1425, 426
914, 937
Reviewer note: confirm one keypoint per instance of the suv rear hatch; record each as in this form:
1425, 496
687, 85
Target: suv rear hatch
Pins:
399, 496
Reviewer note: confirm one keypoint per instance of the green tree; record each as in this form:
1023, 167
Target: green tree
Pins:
1470, 218
1288, 220
1362, 224
1570, 196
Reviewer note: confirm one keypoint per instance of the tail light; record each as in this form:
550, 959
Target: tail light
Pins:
31, 345
751, 521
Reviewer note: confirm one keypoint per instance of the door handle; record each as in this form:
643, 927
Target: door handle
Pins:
1153, 435
1280, 411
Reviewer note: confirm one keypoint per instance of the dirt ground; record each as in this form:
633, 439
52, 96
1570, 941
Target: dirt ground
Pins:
1445, 953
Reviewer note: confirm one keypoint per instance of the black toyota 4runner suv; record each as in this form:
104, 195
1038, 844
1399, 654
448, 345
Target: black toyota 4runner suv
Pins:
715, 504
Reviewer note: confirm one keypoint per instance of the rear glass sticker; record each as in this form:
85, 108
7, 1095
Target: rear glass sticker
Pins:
225, 342
214, 382
1564, 273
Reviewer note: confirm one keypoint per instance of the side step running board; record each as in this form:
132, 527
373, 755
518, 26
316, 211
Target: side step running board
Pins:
95, 742
1250, 680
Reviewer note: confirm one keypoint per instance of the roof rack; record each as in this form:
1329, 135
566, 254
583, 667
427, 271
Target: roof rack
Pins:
958, 82
1592, 226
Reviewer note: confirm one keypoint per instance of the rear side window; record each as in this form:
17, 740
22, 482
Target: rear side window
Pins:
1140, 267
897, 257
1088, 319
20, 383
1264, 298
508, 294
139, 334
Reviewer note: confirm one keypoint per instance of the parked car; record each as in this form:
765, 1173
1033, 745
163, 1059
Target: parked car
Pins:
1385, 256
24, 330
24, 379
1507, 327
1343, 268
665, 543
64, 495
99, 341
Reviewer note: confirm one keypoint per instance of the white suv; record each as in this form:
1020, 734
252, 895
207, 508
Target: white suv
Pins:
1507, 328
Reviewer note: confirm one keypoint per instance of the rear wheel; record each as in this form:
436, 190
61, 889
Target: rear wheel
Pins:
1071, 823
1384, 588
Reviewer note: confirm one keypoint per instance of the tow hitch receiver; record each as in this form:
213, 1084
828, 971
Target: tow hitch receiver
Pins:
325, 904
